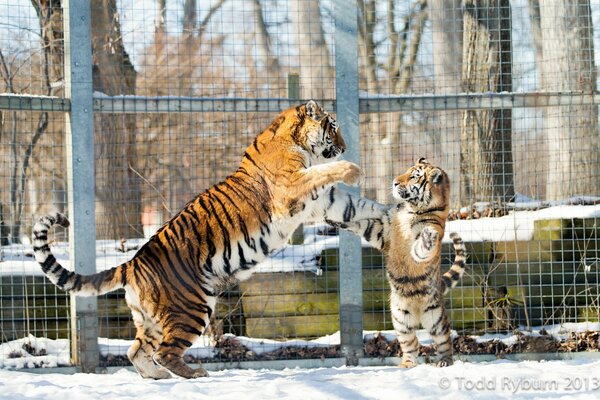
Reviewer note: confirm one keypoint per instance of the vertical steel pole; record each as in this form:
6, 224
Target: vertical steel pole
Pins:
80, 171
346, 84
293, 89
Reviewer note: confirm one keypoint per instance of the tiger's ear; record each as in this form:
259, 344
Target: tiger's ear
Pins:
437, 176
423, 160
314, 110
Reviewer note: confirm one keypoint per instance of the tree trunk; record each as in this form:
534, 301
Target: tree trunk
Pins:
446, 24
572, 130
51, 36
118, 206
486, 146
316, 78
267, 63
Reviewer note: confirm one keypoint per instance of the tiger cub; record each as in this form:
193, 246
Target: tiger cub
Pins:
286, 177
410, 237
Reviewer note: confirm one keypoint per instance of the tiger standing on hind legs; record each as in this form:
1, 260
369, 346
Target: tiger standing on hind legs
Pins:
410, 238
286, 177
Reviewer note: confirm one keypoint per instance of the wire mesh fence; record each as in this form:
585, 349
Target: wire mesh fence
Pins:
502, 95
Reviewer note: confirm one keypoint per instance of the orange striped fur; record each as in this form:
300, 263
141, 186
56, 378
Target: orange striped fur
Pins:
410, 237
286, 177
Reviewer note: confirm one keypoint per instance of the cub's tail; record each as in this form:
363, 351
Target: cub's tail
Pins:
81, 285
451, 277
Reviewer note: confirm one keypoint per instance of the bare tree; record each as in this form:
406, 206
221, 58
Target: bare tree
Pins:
160, 16
383, 144
50, 22
316, 78
572, 130
446, 25
486, 145
268, 63
117, 186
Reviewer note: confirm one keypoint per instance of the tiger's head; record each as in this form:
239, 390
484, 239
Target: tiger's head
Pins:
319, 133
423, 186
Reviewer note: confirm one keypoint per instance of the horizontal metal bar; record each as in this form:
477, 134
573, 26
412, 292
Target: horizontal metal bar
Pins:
404, 103
473, 101
15, 102
139, 104
367, 104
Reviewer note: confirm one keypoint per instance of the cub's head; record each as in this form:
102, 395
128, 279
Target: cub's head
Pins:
318, 133
423, 186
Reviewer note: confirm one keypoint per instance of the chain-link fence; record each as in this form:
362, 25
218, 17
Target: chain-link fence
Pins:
118, 113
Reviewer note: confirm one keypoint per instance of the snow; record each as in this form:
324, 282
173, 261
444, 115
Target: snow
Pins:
502, 379
517, 225
575, 376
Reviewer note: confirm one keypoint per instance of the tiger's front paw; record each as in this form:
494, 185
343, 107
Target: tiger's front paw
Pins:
429, 236
350, 173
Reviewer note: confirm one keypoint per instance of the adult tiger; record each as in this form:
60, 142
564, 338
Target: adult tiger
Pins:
286, 177
410, 237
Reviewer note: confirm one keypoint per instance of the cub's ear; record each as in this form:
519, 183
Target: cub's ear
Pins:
423, 160
314, 110
437, 176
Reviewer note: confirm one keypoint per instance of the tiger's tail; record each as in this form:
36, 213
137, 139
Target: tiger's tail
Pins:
81, 285
452, 276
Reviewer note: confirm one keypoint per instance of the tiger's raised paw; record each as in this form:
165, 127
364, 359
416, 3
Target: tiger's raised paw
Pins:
351, 173
429, 237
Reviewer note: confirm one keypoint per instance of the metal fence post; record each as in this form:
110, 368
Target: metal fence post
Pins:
293, 92
347, 110
81, 184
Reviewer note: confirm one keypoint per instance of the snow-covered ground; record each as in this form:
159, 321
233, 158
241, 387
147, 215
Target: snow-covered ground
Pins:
573, 379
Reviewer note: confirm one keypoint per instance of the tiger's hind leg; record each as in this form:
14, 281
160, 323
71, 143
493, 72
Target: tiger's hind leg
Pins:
140, 355
180, 331
405, 325
170, 355
146, 342
436, 322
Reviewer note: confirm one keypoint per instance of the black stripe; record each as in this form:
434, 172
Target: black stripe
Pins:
255, 144
48, 262
44, 248
350, 210
406, 279
264, 247
249, 158
416, 292
124, 275
431, 307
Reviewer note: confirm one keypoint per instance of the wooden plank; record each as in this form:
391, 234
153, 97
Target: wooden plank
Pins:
13, 285
310, 326
558, 295
329, 258
307, 303
576, 228
480, 253
17, 329
464, 297
464, 319
544, 250
307, 282
292, 326
377, 321
290, 304
543, 272
589, 313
